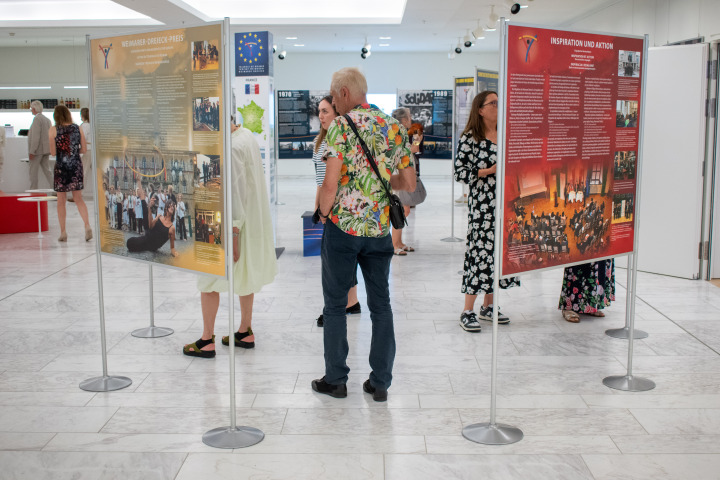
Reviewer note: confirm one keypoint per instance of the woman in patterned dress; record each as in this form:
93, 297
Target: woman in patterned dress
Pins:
475, 165
587, 289
67, 142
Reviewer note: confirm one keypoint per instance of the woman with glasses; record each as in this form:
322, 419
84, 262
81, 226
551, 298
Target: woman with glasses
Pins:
475, 165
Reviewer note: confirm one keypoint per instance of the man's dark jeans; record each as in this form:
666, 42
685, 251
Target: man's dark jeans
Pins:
341, 253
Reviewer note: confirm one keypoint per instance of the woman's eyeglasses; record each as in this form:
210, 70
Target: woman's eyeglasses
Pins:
494, 103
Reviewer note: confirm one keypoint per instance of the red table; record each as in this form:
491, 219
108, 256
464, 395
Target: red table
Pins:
21, 217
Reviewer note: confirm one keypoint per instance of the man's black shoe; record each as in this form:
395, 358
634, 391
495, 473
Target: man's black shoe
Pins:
320, 321
378, 395
337, 391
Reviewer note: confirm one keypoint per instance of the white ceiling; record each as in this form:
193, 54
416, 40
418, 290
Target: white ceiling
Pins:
336, 26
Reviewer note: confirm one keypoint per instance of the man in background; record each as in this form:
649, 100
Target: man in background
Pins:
39, 145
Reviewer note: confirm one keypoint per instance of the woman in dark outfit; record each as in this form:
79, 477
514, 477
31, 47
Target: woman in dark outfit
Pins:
475, 164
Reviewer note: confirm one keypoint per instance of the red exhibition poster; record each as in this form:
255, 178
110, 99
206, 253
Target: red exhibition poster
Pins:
571, 143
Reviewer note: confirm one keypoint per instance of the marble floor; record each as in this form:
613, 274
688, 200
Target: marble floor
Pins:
550, 372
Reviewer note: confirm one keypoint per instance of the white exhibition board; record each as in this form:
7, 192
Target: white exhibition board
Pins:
673, 154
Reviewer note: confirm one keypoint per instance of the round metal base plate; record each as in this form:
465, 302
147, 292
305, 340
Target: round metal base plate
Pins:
228, 437
105, 384
624, 333
495, 434
152, 332
452, 239
628, 383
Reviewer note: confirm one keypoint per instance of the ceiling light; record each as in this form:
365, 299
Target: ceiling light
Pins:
282, 55
274, 48
75, 86
25, 88
493, 19
365, 55
385, 38
467, 40
458, 48
298, 44
514, 6
479, 33
384, 45
290, 38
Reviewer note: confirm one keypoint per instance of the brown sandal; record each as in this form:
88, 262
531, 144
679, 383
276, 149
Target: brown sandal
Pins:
596, 313
571, 316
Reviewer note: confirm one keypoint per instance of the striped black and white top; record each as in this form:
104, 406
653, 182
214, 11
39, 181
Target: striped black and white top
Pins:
319, 164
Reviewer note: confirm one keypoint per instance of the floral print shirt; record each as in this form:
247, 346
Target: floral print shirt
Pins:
361, 205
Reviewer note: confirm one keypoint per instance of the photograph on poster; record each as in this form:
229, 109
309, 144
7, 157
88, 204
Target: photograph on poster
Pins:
206, 114
626, 113
628, 64
205, 56
285, 145
624, 165
209, 171
145, 216
622, 206
207, 226
313, 119
559, 212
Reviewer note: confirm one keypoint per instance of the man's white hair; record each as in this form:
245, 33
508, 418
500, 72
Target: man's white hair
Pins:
350, 78
37, 105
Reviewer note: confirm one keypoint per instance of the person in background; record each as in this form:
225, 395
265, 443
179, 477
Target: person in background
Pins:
182, 231
253, 248
476, 164
39, 145
403, 116
67, 142
87, 156
587, 289
326, 114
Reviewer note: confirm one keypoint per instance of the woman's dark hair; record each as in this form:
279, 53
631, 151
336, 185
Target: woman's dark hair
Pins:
321, 136
475, 125
62, 115
169, 204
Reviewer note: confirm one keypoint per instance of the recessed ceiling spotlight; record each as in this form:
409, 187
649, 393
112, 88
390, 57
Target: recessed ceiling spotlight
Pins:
298, 44
290, 38
383, 45
385, 38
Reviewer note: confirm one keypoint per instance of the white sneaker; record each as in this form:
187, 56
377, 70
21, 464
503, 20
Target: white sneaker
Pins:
469, 322
487, 312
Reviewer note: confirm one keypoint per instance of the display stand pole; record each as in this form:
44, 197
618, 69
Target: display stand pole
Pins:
452, 237
105, 383
492, 433
629, 382
152, 331
624, 332
232, 436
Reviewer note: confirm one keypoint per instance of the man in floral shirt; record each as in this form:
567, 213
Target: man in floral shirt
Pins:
354, 201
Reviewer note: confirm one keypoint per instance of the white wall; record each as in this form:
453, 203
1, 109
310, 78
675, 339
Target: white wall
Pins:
665, 21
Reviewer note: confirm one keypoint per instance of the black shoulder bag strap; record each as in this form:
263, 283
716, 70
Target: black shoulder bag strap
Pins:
368, 155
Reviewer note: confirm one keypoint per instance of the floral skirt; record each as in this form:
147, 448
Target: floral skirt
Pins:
589, 287
68, 174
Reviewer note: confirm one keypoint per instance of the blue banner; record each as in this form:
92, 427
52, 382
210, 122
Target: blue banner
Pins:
253, 54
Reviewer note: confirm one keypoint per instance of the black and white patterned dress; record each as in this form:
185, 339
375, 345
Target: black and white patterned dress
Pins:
68, 166
479, 267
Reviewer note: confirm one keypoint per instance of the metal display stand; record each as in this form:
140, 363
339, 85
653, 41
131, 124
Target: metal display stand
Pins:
452, 237
104, 383
152, 331
624, 332
493, 433
629, 382
231, 436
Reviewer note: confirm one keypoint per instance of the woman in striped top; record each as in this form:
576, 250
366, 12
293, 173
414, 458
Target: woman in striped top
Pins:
327, 113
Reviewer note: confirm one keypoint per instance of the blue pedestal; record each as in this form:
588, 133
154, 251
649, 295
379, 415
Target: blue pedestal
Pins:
312, 235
